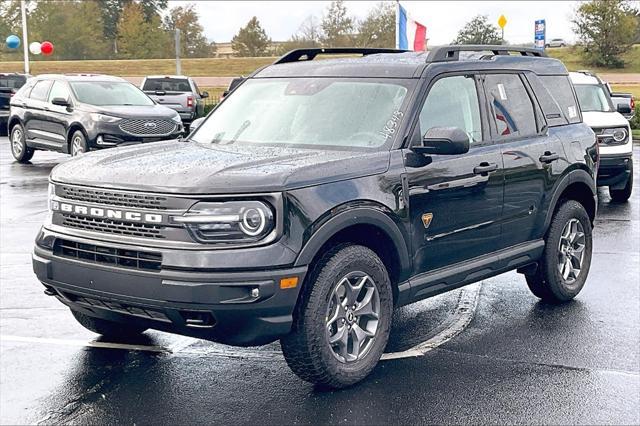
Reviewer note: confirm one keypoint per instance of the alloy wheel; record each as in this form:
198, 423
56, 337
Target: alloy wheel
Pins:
16, 142
571, 250
76, 146
352, 317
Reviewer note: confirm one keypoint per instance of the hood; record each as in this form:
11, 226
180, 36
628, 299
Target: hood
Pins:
132, 111
191, 168
599, 119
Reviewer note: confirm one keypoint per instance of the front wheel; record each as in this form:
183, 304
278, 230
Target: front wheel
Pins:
78, 144
565, 262
622, 195
342, 321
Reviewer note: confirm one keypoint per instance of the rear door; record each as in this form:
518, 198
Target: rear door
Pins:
36, 113
532, 157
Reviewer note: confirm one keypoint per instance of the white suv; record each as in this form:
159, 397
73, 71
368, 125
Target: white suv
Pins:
613, 132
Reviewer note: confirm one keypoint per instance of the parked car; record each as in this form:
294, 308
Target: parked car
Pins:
613, 133
9, 85
556, 42
321, 195
624, 103
177, 92
78, 113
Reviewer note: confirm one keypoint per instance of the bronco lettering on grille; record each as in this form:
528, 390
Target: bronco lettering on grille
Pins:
106, 213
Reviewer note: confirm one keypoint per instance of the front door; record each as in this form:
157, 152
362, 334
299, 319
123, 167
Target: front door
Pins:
455, 201
58, 117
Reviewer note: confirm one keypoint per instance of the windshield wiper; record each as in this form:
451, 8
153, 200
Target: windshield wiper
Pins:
242, 128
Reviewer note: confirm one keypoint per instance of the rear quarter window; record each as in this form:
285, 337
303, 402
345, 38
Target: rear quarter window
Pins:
559, 87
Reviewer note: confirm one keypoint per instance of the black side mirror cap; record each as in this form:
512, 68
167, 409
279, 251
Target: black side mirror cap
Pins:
443, 141
624, 109
60, 102
204, 95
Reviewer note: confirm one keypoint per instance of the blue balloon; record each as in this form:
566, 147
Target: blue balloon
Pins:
13, 41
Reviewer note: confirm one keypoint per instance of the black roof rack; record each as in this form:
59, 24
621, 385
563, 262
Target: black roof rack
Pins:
452, 53
309, 54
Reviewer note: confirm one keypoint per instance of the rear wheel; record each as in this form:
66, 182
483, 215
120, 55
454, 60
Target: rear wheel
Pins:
21, 152
342, 321
622, 195
78, 144
565, 262
106, 328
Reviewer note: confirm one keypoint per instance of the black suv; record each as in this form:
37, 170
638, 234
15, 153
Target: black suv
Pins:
78, 113
322, 194
10, 83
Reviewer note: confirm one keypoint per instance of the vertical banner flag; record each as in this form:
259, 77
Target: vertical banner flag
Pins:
411, 34
540, 34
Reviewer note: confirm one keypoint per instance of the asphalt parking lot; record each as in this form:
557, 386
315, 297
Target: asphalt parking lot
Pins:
488, 353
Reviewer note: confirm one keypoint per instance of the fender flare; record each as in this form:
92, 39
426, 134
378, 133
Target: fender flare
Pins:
350, 217
574, 176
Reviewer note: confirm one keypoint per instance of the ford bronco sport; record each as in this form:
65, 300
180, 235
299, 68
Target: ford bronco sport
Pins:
322, 194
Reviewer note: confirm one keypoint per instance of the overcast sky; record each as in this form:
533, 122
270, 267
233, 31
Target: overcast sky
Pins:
222, 19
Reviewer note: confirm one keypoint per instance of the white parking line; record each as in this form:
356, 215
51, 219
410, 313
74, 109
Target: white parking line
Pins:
458, 321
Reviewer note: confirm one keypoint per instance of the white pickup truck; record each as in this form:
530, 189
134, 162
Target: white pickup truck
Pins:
612, 130
177, 92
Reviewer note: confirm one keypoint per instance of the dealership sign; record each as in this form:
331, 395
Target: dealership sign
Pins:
540, 33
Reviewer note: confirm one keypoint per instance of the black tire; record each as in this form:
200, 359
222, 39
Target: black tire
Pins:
78, 144
623, 195
307, 349
106, 328
548, 283
19, 149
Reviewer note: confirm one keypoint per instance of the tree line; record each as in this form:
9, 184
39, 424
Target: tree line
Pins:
144, 29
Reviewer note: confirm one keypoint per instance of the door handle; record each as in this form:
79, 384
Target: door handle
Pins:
485, 168
548, 157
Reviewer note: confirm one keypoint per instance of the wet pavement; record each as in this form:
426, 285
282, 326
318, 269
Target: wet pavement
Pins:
506, 359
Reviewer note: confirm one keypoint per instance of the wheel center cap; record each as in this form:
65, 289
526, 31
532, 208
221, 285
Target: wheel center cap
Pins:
350, 316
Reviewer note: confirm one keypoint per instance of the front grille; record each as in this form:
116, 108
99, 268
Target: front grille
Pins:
125, 258
109, 226
111, 198
151, 127
118, 307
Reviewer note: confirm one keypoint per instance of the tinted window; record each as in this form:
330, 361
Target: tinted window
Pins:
59, 90
40, 90
167, 85
453, 102
12, 81
512, 111
559, 87
109, 93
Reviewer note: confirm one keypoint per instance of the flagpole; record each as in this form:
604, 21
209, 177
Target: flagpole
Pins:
25, 41
397, 24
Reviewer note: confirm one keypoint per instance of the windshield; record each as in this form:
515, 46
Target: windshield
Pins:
592, 98
106, 93
329, 112
167, 85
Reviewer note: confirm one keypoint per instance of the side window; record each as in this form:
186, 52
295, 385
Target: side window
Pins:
453, 102
59, 90
560, 88
195, 86
40, 90
512, 111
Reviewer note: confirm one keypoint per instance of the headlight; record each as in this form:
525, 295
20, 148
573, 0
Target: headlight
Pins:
104, 118
229, 222
177, 118
614, 136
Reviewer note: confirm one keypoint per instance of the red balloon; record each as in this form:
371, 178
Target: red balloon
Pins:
46, 47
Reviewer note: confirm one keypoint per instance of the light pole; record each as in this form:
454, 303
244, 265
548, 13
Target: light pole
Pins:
178, 65
25, 41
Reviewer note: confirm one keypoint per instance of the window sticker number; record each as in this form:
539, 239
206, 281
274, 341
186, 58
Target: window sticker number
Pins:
503, 93
573, 112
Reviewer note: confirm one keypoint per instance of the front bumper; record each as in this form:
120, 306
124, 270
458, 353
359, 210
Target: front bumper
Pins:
221, 306
108, 135
614, 170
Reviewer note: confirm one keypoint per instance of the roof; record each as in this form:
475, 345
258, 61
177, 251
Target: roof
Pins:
82, 77
584, 77
168, 76
404, 64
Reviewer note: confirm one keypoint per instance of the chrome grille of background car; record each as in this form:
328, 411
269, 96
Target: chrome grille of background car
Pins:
150, 127
109, 226
116, 199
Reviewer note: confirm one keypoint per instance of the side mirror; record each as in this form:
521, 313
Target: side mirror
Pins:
624, 109
443, 141
204, 95
60, 102
195, 124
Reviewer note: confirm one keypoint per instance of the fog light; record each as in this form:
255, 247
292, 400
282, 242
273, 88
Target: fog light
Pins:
255, 293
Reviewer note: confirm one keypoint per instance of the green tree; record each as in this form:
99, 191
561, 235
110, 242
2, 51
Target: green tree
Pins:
153, 9
111, 10
478, 31
378, 28
193, 42
251, 40
10, 24
140, 39
337, 26
66, 24
607, 29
